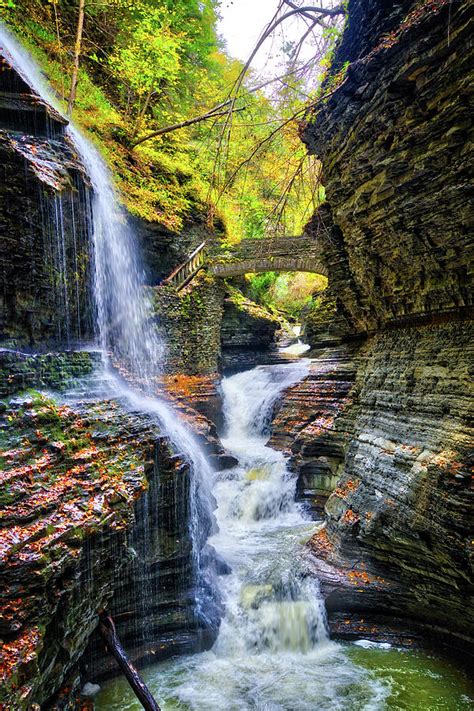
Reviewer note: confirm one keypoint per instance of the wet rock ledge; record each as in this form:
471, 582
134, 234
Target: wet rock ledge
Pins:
45, 265
94, 511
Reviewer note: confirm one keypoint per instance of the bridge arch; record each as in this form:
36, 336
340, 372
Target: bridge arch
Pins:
283, 254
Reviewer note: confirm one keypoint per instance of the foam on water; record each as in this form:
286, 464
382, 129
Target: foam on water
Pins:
273, 650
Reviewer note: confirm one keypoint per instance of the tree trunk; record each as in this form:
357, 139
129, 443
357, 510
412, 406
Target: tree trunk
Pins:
77, 56
142, 113
109, 635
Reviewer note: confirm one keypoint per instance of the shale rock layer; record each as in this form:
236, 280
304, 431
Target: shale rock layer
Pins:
395, 140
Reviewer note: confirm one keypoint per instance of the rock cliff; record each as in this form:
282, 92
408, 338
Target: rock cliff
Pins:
44, 215
306, 423
402, 508
395, 140
95, 511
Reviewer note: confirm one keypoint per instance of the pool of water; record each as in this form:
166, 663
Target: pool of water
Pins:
338, 676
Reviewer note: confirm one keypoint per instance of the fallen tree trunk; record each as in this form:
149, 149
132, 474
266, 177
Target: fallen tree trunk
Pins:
109, 635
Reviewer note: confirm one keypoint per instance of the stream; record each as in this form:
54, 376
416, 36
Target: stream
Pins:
273, 651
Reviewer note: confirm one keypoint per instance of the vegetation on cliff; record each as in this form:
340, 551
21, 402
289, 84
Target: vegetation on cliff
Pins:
289, 292
144, 66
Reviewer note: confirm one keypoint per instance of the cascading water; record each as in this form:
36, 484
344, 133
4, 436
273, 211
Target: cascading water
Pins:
126, 333
299, 347
273, 650
124, 321
272, 606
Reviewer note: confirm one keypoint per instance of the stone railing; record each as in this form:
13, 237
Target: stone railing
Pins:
186, 271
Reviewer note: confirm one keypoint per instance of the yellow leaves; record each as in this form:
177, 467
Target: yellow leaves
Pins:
85, 454
346, 488
19, 651
350, 517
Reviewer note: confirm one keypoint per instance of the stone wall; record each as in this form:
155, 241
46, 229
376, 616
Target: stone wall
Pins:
210, 325
190, 322
248, 332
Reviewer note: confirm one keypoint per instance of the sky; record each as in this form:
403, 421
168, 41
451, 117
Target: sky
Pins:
241, 25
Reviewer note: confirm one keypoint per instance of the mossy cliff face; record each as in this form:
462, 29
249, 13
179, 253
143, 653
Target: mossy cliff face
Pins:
44, 215
190, 322
248, 332
56, 371
395, 142
210, 324
95, 511
68, 500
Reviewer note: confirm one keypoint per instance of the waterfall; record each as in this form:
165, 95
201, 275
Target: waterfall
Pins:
273, 649
274, 606
124, 320
125, 328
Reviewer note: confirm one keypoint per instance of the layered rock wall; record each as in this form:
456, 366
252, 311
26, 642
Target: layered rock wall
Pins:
395, 139
44, 224
153, 601
190, 323
95, 514
402, 509
307, 423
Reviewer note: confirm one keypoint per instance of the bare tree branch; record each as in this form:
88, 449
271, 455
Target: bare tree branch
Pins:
212, 113
306, 109
306, 13
274, 23
189, 122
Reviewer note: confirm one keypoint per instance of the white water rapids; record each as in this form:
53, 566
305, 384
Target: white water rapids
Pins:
272, 652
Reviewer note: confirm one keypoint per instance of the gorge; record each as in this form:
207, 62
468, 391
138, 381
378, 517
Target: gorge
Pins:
267, 531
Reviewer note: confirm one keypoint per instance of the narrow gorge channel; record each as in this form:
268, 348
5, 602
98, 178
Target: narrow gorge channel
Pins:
273, 650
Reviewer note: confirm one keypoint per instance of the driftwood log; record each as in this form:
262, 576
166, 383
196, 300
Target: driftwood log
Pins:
109, 635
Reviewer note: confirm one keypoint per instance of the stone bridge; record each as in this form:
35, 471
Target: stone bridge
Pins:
279, 254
